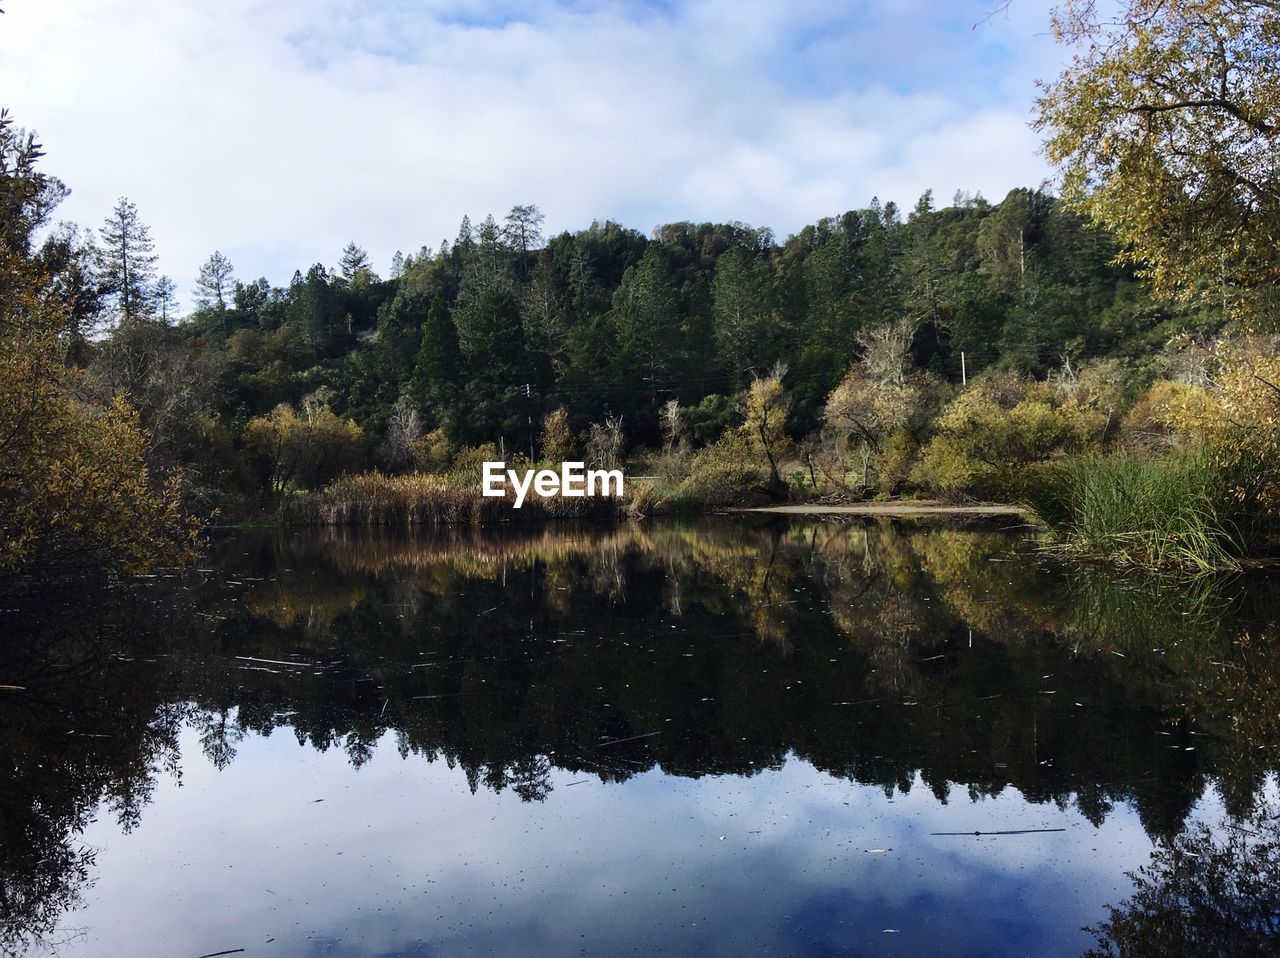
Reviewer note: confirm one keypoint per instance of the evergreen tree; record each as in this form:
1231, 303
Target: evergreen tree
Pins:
215, 283
648, 318
523, 231
312, 307
355, 260
127, 261
741, 294
439, 363
166, 298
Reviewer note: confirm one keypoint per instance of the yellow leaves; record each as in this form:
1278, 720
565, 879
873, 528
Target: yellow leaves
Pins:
990, 433
74, 485
77, 482
1237, 417
1164, 130
766, 419
309, 449
557, 438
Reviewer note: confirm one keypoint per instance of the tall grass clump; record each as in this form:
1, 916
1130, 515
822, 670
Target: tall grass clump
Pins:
420, 499
1174, 512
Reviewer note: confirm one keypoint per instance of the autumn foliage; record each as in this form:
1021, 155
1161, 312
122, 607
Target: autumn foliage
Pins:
75, 488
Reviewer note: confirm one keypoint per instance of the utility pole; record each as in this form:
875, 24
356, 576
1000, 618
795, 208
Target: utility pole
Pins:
528, 395
964, 375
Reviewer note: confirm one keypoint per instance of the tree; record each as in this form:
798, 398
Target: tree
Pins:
523, 231
556, 443
354, 262
1211, 890
648, 317
740, 308
313, 307
439, 363
404, 430
1166, 126
765, 425
927, 278
215, 283
877, 413
308, 449
605, 443
166, 298
544, 312
396, 343
75, 487
1003, 238
990, 435
127, 261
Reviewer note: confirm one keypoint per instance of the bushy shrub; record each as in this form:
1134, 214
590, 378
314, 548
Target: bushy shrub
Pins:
710, 417
725, 472
307, 450
1238, 418
874, 419
432, 452
557, 442
765, 426
467, 468
1148, 425
991, 433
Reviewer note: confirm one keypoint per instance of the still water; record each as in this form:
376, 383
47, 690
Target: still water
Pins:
722, 738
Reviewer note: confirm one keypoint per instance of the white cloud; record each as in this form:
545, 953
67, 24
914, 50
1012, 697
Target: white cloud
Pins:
277, 130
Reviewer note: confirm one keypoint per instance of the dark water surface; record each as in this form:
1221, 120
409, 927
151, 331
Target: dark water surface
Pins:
797, 738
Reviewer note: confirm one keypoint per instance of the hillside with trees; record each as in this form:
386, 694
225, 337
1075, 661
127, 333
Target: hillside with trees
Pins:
478, 340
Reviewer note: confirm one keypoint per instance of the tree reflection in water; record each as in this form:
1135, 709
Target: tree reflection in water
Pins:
879, 653
1208, 891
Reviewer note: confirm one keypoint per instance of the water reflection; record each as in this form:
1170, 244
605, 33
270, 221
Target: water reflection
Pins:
931, 667
1208, 891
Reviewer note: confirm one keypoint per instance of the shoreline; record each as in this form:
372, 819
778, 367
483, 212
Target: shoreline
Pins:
889, 509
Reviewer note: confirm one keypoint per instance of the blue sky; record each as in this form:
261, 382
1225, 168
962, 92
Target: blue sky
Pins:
277, 130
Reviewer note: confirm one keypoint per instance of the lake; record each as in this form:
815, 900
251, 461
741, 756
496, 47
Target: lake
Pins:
730, 737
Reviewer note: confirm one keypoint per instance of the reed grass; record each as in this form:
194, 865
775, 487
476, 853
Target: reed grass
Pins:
1172, 512
420, 499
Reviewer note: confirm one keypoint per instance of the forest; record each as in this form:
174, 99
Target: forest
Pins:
480, 340
1103, 353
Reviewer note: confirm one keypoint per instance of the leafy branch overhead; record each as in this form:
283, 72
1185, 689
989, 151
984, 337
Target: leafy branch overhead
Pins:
1166, 126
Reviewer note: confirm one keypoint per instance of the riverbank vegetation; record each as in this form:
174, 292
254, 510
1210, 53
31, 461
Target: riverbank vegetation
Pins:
1106, 356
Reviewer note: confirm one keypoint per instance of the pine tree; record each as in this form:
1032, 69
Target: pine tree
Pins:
127, 261
740, 308
215, 282
355, 260
649, 317
524, 232
166, 298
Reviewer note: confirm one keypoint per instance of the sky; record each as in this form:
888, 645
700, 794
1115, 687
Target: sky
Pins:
277, 131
